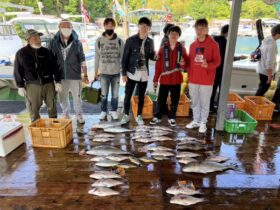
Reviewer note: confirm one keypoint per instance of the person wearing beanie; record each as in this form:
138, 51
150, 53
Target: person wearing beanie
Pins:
172, 60
165, 31
138, 50
267, 64
204, 58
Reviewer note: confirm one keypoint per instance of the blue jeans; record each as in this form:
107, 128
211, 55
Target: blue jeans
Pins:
105, 81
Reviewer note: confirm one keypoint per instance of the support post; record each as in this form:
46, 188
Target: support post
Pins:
227, 69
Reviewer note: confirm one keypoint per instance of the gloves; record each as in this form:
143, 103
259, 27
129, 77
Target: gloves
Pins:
22, 92
58, 87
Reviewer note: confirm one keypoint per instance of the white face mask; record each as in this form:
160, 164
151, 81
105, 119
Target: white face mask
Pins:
35, 46
66, 32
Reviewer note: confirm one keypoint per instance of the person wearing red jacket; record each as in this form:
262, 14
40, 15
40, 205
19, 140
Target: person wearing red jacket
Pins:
204, 58
171, 62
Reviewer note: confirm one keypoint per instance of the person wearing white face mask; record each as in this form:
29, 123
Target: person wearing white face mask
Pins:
69, 51
35, 70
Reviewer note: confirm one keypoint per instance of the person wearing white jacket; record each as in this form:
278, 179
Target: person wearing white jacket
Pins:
267, 64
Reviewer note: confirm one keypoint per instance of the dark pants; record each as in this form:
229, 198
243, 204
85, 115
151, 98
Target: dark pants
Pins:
276, 97
162, 99
129, 89
263, 86
217, 84
36, 95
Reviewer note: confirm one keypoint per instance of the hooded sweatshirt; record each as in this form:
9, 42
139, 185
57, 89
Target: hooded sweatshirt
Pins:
108, 54
209, 50
268, 56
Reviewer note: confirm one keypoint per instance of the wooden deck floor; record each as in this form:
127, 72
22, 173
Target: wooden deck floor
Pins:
35, 178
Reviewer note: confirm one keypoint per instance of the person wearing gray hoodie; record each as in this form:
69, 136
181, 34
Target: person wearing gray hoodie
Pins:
108, 54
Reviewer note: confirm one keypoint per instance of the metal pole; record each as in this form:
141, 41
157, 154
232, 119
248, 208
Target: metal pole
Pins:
125, 23
227, 69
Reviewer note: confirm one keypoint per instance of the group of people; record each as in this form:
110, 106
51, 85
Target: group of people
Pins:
131, 60
42, 72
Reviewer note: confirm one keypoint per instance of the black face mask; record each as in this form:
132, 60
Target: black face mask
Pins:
109, 31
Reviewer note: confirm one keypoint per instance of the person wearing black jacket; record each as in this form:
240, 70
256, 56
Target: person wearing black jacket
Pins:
35, 71
138, 50
222, 42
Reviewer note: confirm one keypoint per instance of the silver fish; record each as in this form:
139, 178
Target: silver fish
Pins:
193, 147
126, 165
159, 134
205, 167
105, 125
117, 158
218, 159
105, 175
159, 148
147, 160
186, 160
186, 138
139, 136
107, 163
117, 130
103, 191
162, 138
102, 139
160, 158
104, 135
164, 128
182, 189
185, 200
135, 160
145, 140
98, 158
162, 153
105, 150
106, 183
186, 154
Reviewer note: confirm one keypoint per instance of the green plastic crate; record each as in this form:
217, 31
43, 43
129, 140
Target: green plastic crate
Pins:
244, 123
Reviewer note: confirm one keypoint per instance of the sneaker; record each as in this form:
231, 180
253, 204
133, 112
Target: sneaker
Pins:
139, 120
80, 119
172, 122
192, 125
66, 116
125, 119
102, 116
115, 115
202, 128
155, 121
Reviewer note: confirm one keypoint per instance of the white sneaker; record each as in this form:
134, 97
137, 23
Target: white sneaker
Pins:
66, 116
155, 121
172, 122
192, 125
80, 119
102, 116
125, 119
139, 120
202, 128
115, 115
